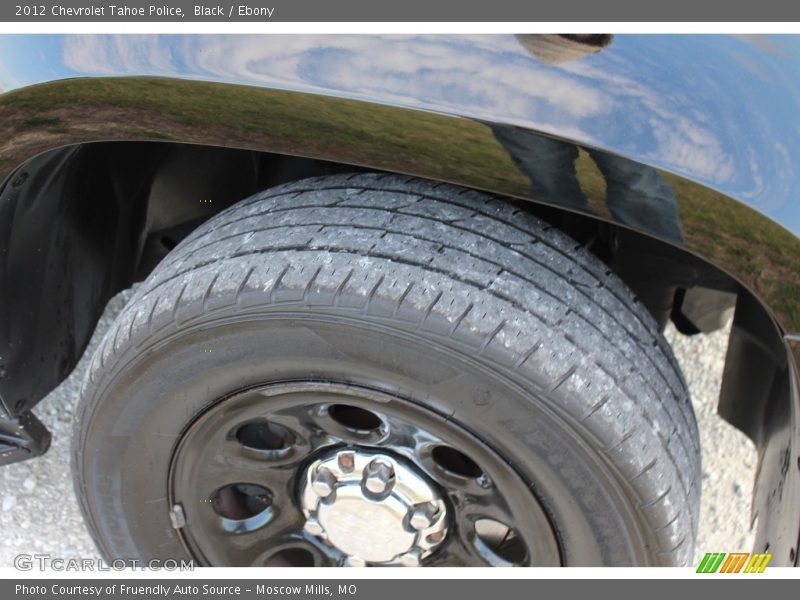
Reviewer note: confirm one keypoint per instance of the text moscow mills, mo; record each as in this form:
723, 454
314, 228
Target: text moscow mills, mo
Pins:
154, 10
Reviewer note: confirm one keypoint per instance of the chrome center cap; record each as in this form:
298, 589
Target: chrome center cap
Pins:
373, 507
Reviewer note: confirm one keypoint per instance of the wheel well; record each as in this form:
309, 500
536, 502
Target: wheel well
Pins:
98, 217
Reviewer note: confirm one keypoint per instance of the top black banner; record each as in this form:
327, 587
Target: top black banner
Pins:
255, 11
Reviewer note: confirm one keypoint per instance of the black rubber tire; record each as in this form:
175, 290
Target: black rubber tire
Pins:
565, 373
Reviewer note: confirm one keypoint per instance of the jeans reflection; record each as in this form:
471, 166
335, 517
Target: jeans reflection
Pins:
636, 195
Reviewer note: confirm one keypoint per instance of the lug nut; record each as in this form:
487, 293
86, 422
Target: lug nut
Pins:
379, 476
313, 527
354, 561
410, 559
435, 537
323, 482
346, 461
424, 516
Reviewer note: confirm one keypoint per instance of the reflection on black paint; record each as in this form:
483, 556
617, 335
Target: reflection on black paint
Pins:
636, 195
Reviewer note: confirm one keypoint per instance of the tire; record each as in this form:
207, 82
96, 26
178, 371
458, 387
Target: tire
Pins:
427, 297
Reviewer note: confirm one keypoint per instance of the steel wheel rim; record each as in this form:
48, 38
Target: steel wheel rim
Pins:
227, 523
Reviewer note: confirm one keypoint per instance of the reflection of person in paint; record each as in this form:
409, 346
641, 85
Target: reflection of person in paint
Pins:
637, 195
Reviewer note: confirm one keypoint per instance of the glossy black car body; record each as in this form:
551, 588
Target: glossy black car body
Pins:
115, 147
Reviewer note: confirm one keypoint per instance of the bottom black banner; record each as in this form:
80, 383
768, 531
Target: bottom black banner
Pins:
386, 589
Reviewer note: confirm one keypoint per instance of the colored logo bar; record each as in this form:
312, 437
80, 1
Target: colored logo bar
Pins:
735, 562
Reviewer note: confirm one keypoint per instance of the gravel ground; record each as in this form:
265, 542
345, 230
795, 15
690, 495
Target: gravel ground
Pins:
40, 515
729, 457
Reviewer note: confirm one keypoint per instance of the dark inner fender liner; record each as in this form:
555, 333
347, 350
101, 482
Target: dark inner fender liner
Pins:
70, 222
